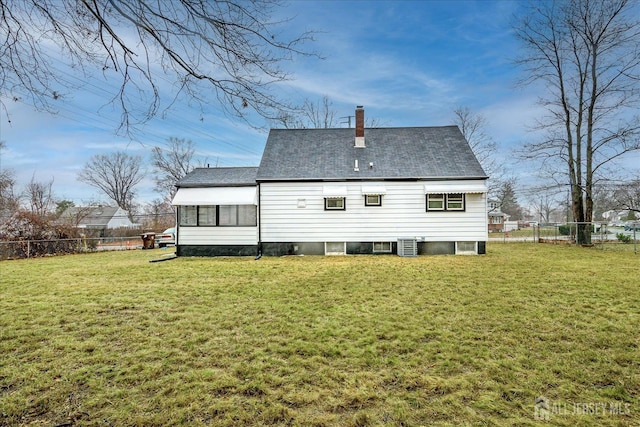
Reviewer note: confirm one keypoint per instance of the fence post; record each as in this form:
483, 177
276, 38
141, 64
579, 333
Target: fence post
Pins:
28, 248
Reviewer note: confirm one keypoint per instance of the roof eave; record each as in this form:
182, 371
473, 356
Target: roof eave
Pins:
400, 178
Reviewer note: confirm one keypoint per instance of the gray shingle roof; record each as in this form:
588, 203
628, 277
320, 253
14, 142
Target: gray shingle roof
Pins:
98, 216
218, 177
396, 153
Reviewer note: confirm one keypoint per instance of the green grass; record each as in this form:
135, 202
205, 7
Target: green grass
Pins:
111, 339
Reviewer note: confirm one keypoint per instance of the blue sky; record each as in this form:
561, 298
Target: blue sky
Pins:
409, 63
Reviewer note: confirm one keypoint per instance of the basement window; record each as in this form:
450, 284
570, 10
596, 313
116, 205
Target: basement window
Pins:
381, 247
334, 204
335, 248
466, 248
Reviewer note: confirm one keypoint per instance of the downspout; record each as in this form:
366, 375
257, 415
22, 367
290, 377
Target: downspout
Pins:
259, 254
177, 208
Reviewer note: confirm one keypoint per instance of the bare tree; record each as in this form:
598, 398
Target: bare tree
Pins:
172, 164
544, 205
158, 215
225, 50
116, 174
627, 196
311, 115
586, 53
473, 127
9, 200
317, 115
39, 195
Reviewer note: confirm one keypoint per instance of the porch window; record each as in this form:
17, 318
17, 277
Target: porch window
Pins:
207, 215
237, 215
188, 215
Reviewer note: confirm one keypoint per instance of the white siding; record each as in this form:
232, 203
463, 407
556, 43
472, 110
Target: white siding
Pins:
120, 219
217, 236
402, 214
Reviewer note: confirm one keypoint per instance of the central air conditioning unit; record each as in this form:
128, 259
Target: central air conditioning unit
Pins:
407, 247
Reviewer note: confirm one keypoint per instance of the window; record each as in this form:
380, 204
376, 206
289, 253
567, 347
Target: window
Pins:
435, 202
465, 248
334, 204
237, 215
212, 215
188, 215
382, 247
334, 248
247, 215
206, 215
455, 202
445, 202
373, 200
496, 220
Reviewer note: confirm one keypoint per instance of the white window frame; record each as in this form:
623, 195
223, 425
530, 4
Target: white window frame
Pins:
436, 197
342, 251
384, 249
335, 208
376, 200
453, 198
184, 209
237, 215
201, 215
463, 249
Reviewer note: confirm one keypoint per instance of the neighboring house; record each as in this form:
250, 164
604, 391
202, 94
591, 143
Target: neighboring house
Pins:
618, 218
97, 218
496, 218
413, 190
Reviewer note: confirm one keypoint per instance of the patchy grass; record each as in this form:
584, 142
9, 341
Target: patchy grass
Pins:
111, 339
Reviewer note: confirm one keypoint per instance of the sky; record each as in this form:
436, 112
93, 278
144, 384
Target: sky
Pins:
409, 63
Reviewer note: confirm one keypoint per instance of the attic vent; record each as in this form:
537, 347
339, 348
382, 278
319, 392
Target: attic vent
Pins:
407, 247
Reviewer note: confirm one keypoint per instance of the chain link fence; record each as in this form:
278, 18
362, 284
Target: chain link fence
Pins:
603, 235
37, 248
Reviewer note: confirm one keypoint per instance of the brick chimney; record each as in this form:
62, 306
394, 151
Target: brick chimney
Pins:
360, 127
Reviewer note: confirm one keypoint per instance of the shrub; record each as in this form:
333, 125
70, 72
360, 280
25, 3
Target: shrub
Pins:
624, 238
564, 229
35, 236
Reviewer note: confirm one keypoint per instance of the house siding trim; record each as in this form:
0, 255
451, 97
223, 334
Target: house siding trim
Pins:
216, 250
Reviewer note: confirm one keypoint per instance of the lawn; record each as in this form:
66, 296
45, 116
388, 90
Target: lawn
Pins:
111, 339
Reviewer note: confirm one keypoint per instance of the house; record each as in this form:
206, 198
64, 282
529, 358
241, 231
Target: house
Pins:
409, 190
496, 218
97, 217
618, 218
